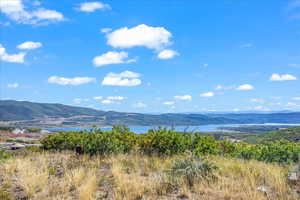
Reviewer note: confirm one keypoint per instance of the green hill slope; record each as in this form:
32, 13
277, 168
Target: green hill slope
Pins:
290, 134
23, 110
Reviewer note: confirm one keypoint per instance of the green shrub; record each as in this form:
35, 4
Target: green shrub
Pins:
93, 142
203, 145
4, 155
164, 142
191, 170
276, 151
168, 142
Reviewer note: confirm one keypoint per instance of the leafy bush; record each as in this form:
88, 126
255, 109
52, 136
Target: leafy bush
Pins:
164, 142
168, 142
4, 155
277, 151
192, 169
203, 145
93, 142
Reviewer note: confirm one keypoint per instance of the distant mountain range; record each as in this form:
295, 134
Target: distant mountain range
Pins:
57, 115
45, 114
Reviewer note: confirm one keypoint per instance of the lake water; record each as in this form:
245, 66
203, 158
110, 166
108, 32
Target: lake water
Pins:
202, 128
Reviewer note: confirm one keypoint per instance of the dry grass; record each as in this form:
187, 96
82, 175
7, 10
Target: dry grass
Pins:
130, 177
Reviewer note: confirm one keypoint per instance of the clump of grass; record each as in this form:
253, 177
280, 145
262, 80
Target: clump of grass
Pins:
4, 155
4, 194
192, 170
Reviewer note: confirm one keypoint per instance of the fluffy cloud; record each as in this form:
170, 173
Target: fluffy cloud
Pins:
167, 54
13, 85
112, 57
79, 100
245, 87
222, 87
98, 98
105, 30
12, 58
107, 101
93, 6
296, 98
283, 77
141, 35
15, 10
29, 45
183, 97
126, 78
70, 81
207, 94
169, 103
115, 98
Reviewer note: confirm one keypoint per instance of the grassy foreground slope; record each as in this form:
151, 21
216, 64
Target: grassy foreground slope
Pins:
134, 176
161, 164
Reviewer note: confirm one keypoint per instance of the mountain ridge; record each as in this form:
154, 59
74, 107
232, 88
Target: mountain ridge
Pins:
43, 114
11, 110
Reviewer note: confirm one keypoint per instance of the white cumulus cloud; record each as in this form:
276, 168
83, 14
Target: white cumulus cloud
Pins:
13, 85
245, 87
105, 30
12, 58
126, 78
222, 87
112, 57
282, 77
296, 98
207, 94
183, 97
167, 54
17, 11
79, 100
70, 81
98, 98
29, 45
141, 35
107, 101
93, 6
169, 103
115, 98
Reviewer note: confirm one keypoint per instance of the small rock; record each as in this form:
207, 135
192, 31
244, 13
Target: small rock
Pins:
293, 176
263, 188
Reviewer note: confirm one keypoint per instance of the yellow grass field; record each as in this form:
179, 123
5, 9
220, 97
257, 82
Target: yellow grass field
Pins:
59, 176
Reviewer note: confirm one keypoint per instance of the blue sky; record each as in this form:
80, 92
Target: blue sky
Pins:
152, 56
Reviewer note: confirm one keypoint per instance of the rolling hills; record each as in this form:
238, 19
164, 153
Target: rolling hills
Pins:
57, 114
290, 134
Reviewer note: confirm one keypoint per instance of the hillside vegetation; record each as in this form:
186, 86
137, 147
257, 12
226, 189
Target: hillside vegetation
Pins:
168, 142
289, 134
161, 164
